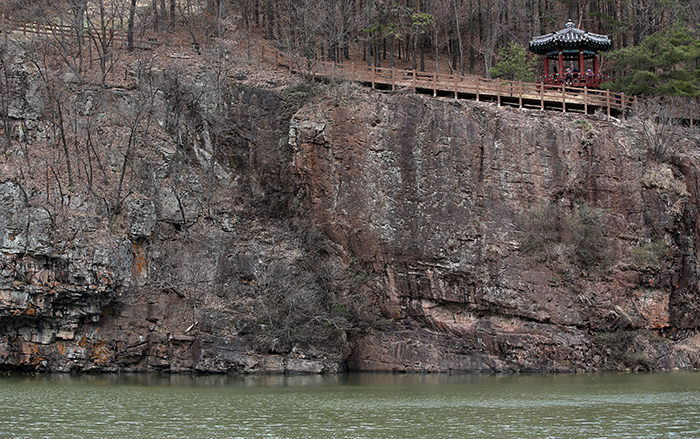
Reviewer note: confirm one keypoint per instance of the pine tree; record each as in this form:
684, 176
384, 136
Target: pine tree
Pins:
513, 64
664, 63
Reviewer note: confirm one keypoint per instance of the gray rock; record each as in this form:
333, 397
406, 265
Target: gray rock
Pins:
141, 214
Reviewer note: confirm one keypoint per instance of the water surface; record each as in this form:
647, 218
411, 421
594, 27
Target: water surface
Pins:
656, 405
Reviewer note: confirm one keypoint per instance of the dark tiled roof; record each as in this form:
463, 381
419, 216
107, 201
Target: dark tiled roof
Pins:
570, 38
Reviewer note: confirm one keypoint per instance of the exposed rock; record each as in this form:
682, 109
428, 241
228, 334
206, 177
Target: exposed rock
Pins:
142, 218
432, 197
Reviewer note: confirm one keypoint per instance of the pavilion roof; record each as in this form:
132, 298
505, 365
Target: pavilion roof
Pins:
570, 38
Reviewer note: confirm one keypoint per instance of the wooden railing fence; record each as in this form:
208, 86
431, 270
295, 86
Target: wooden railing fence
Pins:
517, 93
115, 36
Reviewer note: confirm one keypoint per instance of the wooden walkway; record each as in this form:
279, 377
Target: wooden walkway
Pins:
514, 93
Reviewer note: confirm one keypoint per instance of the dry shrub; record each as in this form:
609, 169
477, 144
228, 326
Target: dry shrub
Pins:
576, 237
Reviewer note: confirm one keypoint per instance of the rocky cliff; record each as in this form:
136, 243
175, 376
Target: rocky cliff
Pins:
183, 224
505, 239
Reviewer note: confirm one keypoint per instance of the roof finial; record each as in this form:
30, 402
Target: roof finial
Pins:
570, 24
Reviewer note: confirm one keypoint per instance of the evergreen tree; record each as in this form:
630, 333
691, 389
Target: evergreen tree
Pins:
664, 63
513, 64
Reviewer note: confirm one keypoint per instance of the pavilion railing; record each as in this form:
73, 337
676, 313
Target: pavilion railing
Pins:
577, 79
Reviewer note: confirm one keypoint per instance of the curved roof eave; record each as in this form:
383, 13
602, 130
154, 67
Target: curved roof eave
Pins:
570, 37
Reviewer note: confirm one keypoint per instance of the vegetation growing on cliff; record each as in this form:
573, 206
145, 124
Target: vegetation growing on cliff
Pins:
576, 235
628, 349
660, 131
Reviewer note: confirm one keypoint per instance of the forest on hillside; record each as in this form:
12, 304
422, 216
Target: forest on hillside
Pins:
466, 36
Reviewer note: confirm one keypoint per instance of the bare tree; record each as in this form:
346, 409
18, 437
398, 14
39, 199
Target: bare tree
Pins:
659, 126
301, 26
101, 32
7, 91
494, 12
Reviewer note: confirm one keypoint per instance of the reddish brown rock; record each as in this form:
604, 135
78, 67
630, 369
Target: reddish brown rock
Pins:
432, 196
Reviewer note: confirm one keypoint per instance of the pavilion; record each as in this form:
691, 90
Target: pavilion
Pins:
571, 44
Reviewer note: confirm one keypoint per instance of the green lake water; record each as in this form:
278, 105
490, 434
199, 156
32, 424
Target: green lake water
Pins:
654, 405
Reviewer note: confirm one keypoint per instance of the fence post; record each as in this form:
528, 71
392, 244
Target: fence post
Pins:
585, 99
541, 96
455, 86
692, 108
373, 72
393, 81
498, 92
607, 100
435, 84
414, 80
563, 98
276, 55
622, 104
520, 100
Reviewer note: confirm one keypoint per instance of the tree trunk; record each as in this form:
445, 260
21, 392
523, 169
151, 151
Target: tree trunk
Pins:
130, 30
65, 144
415, 52
435, 28
81, 7
422, 53
154, 5
459, 38
391, 51
269, 17
471, 41
377, 53
256, 13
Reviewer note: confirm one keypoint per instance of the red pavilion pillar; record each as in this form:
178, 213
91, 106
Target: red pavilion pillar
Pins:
595, 63
580, 65
596, 78
546, 66
561, 64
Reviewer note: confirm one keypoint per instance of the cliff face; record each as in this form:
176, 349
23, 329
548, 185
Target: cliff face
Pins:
501, 239
371, 232
167, 247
